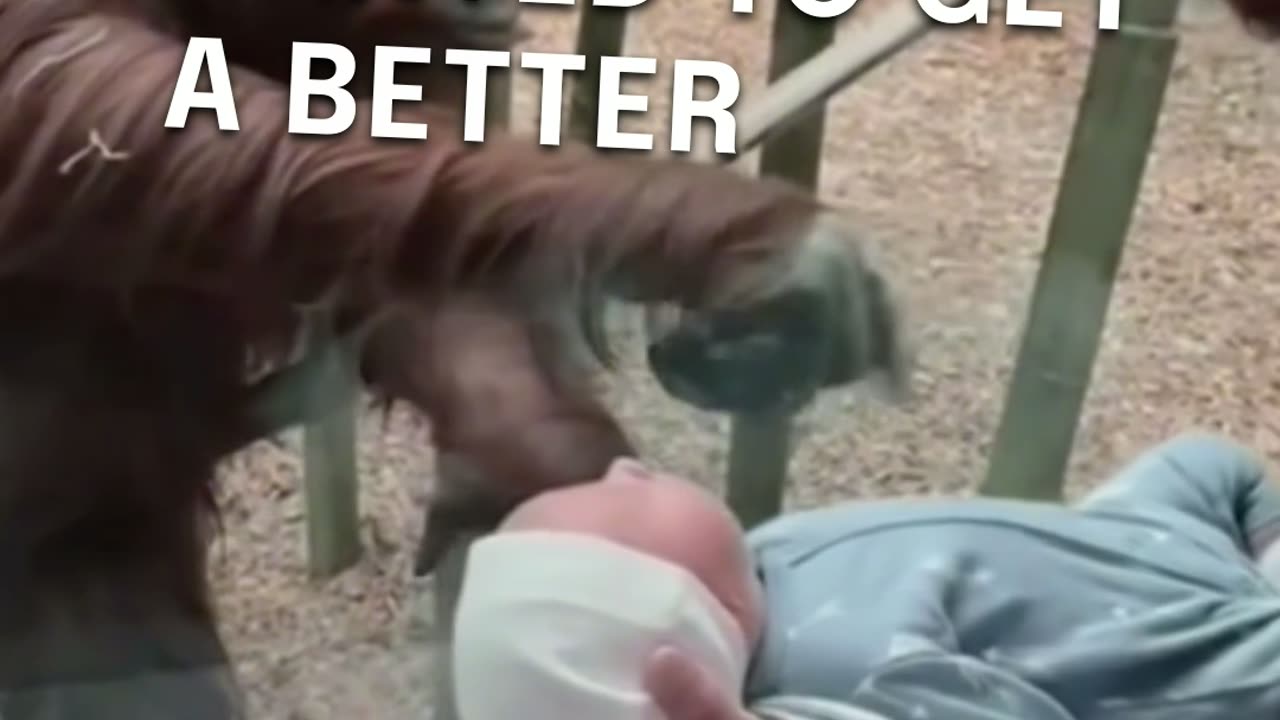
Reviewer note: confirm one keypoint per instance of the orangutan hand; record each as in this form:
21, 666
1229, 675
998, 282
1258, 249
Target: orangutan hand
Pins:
770, 335
683, 690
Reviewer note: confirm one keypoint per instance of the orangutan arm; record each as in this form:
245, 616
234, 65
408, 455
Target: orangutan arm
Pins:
511, 415
85, 153
94, 189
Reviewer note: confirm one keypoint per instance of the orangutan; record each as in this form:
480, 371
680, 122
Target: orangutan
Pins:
142, 269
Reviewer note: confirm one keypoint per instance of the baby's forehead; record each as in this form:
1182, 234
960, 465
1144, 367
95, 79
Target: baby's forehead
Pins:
644, 515
581, 508
602, 495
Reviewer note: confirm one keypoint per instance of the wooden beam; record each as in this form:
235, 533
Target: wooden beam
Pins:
602, 32
1115, 126
804, 90
330, 473
760, 443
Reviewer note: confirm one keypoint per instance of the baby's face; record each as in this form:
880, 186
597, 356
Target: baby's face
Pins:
666, 516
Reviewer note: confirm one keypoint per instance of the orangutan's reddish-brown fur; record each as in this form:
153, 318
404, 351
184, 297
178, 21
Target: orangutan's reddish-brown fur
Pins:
135, 283
505, 402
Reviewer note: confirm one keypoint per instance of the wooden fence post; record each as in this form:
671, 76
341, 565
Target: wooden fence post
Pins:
1115, 126
602, 31
760, 444
330, 472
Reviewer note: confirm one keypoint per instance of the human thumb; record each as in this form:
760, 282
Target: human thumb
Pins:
683, 690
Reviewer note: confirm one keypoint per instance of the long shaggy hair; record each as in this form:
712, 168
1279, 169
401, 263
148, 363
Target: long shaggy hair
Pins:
109, 433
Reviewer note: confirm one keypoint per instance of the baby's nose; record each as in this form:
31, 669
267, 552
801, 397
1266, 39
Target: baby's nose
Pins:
625, 468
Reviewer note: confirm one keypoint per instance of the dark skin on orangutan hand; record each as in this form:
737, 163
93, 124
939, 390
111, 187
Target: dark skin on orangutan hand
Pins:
142, 267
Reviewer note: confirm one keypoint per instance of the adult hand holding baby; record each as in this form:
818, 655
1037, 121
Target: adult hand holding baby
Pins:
683, 690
